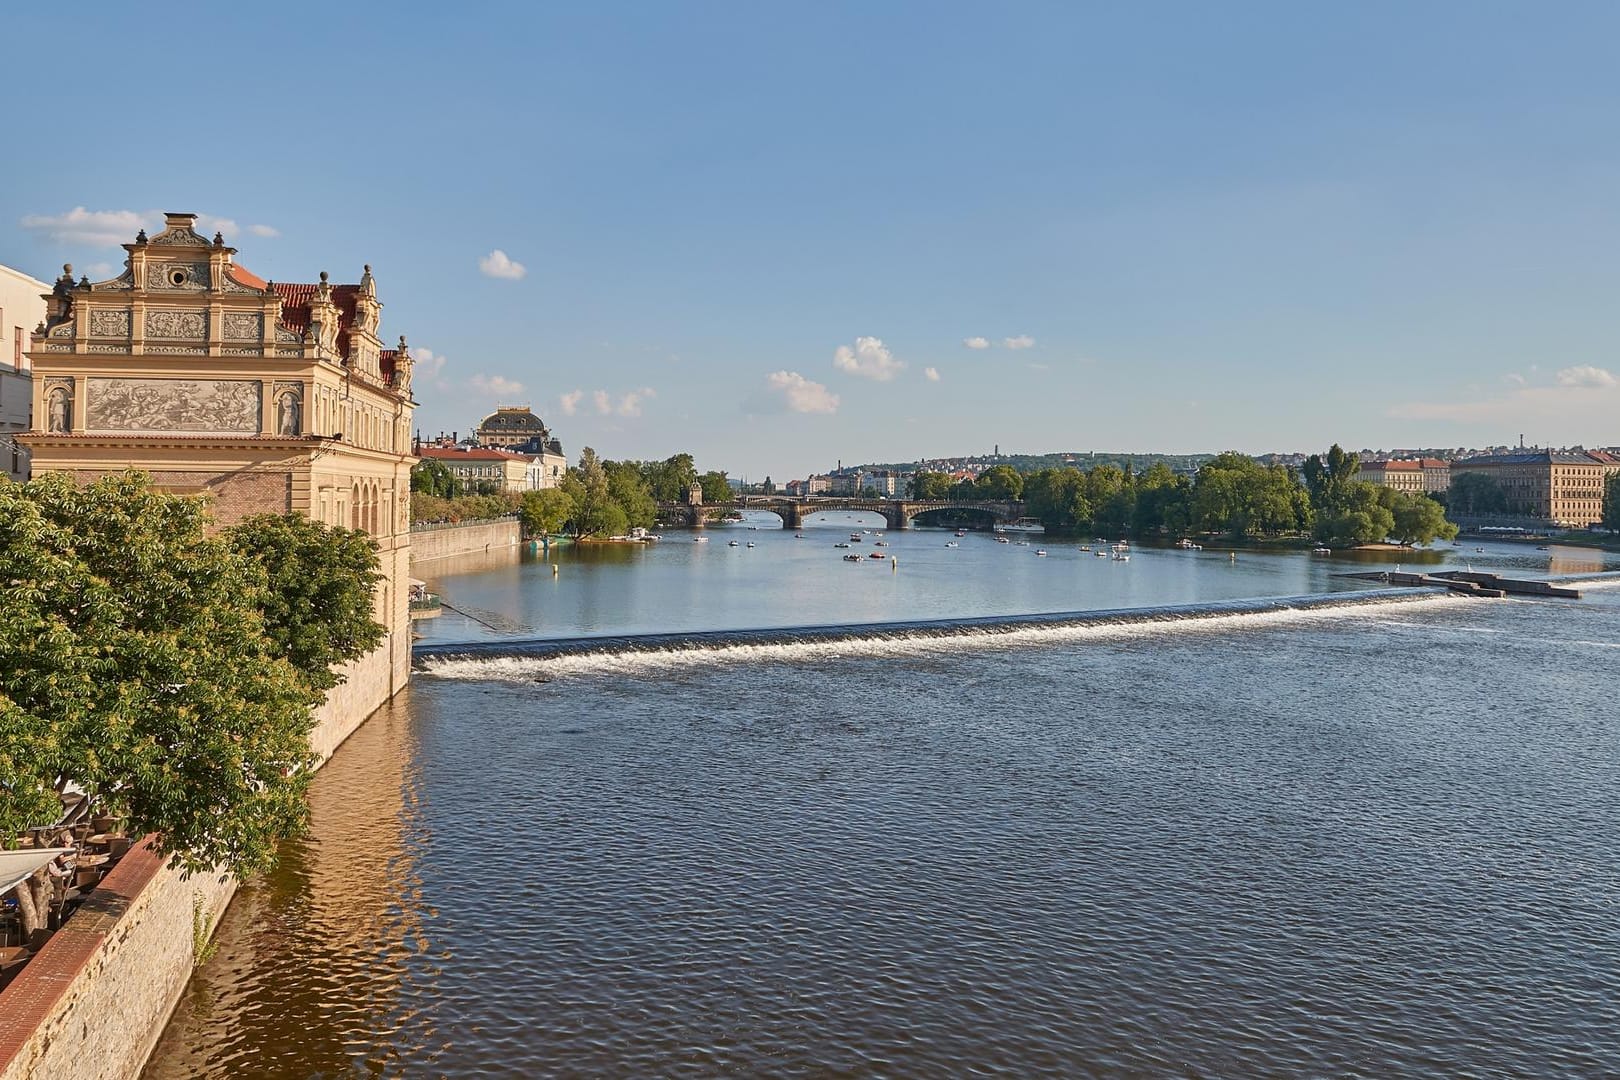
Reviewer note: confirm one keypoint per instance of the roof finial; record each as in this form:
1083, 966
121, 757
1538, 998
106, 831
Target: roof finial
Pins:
219, 239
140, 237
323, 277
67, 269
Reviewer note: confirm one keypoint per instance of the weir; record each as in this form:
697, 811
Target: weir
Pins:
424, 656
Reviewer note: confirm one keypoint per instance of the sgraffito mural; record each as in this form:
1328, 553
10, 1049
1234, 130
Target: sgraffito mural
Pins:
227, 406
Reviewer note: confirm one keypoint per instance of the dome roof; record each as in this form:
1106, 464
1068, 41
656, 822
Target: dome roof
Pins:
514, 421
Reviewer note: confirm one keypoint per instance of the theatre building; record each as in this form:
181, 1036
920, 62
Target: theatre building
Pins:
264, 396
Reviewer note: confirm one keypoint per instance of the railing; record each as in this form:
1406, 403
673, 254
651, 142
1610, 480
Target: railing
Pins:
429, 526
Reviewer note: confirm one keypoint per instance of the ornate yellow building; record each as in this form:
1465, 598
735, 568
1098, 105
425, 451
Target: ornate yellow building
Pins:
269, 397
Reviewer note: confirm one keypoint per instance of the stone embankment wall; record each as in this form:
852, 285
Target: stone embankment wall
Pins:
94, 1000
429, 542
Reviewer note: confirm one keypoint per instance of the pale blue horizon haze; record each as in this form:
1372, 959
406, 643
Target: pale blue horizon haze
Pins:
1175, 227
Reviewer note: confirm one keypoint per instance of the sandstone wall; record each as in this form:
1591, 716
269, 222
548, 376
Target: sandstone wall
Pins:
94, 1000
443, 541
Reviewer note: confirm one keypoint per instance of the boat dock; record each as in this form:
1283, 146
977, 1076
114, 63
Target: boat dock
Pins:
1471, 583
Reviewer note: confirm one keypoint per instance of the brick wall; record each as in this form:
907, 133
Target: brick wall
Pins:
237, 493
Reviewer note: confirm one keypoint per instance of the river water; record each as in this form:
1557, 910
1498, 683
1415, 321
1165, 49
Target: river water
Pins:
1369, 837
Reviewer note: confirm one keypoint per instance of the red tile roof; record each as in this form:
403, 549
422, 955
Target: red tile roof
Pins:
295, 300
243, 276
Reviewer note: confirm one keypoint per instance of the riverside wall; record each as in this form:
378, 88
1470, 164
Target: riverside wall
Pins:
94, 1000
430, 542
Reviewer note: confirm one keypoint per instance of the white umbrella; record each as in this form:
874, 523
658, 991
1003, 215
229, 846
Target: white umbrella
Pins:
17, 867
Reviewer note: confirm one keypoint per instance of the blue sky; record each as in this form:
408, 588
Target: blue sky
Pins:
769, 234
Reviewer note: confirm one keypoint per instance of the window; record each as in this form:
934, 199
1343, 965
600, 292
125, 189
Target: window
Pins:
16, 346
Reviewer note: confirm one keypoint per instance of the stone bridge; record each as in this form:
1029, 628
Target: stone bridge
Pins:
898, 513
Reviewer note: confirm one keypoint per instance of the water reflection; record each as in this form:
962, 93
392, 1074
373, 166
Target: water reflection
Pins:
325, 939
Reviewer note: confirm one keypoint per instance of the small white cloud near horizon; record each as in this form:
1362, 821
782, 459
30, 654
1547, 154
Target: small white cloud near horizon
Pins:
112, 228
425, 362
497, 264
630, 404
498, 385
1586, 376
1022, 341
96, 228
1513, 378
570, 402
603, 401
931, 374
976, 342
802, 395
870, 359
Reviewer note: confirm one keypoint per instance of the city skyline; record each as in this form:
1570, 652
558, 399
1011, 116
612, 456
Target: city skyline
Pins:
776, 240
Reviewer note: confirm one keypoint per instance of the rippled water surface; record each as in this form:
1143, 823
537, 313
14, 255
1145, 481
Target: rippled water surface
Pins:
1374, 841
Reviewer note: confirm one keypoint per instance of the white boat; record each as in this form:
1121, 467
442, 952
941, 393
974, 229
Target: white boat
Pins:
750, 543
1120, 556
952, 543
961, 532
1321, 551
880, 543
700, 539
1085, 547
840, 544
1041, 552
733, 543
1100, 554
1002, 540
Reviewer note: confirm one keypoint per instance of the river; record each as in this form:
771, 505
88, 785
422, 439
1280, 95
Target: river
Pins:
1361, 837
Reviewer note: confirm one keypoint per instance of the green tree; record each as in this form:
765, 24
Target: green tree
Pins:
999, 482
134, 661
630, 493
432, 477
546, 511
1328, 479
1364, 515
1419, 520
596, 512
716, 488
1235, 494
1611, 502
933, 486
1057, 497
1162, 500
317, 609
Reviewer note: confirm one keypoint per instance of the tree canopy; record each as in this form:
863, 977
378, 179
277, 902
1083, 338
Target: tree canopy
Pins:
136, 661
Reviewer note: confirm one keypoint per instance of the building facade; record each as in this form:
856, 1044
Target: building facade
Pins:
266, 397
22, 307
516, 428
487, 468
1562, 487
1417, 475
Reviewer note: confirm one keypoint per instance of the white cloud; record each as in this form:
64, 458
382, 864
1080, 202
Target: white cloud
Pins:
976, 342
1022, 341
870, 359
1513, 378
1587, 377
570, 402
96, 228
931, 374
99, 271
110, 228
426, 362
800, 394
497, 264
603, 401
498, 385
630, 404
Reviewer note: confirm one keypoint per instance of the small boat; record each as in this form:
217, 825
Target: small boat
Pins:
852, 558
880, 543
1041, 552
1120, 556
1085, 547
700, 539
733, 543
1101, 554
1002, 540
877, 555
1543, 547
1321, 551
840, 544
798, 536
961, 532
750, 543
1022, 543
952, 543
857, 536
